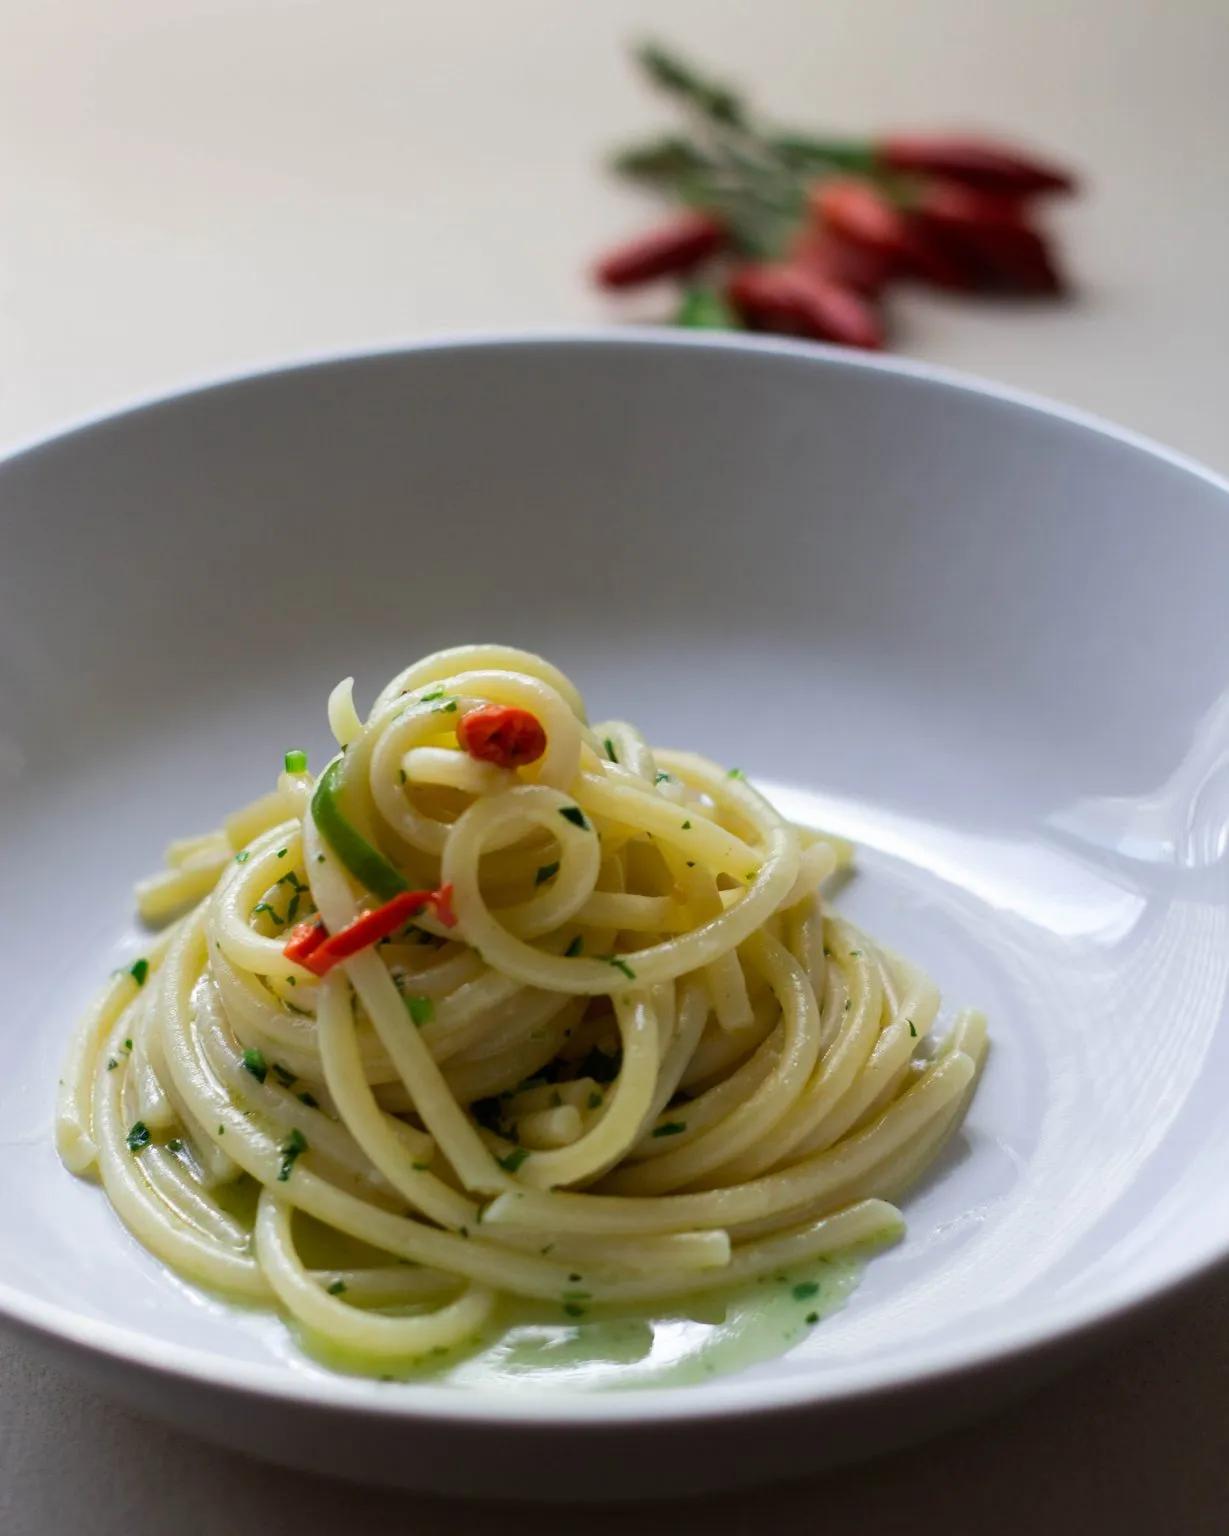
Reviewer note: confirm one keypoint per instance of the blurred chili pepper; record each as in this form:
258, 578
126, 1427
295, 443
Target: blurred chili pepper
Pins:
677, 247
985, 234
860, 213
784, 297
975, 162
842, 260
866, 219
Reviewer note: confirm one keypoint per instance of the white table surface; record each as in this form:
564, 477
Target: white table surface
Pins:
189, 188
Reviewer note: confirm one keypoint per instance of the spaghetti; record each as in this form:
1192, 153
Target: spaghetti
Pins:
503, 1005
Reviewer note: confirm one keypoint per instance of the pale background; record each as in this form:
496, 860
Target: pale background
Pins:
191, 189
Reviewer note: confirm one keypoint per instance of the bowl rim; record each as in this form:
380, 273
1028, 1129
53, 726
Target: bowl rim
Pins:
1054, 1326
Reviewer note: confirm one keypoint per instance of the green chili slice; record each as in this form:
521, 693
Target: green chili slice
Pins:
367, 864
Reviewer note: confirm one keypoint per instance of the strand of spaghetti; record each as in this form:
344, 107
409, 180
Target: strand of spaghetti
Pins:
462, 659
367, 973
378, 1135
659, 962
387, 1338
774, 1194
624, 1111
146, 1214
760, 1111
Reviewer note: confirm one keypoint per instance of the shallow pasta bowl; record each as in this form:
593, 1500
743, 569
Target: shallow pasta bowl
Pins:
979, 636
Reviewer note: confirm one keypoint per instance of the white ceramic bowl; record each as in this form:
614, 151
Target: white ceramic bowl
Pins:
982, 636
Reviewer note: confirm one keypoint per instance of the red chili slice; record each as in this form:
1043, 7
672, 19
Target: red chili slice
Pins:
502, 734
318, 951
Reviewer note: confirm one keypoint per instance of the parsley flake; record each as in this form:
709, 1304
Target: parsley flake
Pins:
255, 1063
595, 1099
804, 1290
671, 1128
513, 1160
337, 1288
912, 1028
545, 873
139, 971
112, 1063
430, 698
610, 750
422, 1010
138, 1138
620, 965
174, 1145
575, 815
291, 1149
242, 856
574, 948
283, 1074
736, 773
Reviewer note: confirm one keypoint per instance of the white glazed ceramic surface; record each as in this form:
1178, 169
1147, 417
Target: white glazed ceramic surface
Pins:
985, 639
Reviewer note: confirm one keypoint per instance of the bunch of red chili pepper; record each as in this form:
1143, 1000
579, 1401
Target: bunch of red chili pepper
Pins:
801, 235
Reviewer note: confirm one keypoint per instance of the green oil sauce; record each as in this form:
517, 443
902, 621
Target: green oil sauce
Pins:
532, 1347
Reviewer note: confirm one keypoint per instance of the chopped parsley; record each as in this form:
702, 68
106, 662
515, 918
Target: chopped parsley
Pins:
804, 1290
128, 1044
573, 1309
595, 1099
736, 773
174, 1145
139, 971
430, 698
446, 709
574, 948
687, 826
282, 852
296, 761
291, 1149
242, 856
660, 778
912, 1028
112, 1063
573, 1278
337, 1288
422, 1009
138, 1138
274, 915
255, 1063
575, 815
513, 1160
855, 954
620, 965
610, 750
671, 1128
283, 1074
812, 1318
309, 1099
545, 873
